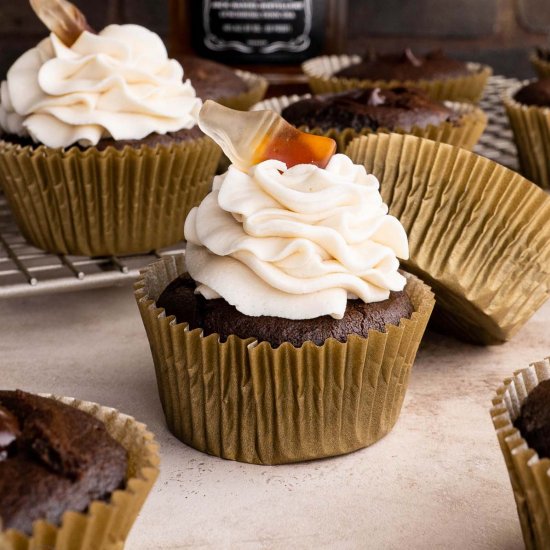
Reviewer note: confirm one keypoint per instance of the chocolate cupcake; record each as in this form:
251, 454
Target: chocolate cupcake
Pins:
540, 61
233, 88
81, 470
406, 66
521, 416
55, 458
181, 300
107, 157
533, 421
441, 77
289, 296
346, 115
371, 108
528, 110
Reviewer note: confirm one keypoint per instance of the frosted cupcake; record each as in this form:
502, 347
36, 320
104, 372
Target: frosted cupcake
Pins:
100, 152
289, 299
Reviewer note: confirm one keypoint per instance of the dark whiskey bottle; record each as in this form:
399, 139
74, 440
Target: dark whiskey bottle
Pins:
260, 31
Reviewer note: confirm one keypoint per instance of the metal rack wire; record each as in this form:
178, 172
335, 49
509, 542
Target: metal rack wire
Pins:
25, 270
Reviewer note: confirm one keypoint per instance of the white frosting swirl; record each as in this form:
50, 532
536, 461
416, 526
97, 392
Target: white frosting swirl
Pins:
295, 243
118, 83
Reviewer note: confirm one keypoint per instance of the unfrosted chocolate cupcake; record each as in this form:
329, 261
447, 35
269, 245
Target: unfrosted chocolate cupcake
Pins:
529, 115
535, 93
219, 317
540, 61
406, 66
534, 419
373, 108
212, 80
53, 458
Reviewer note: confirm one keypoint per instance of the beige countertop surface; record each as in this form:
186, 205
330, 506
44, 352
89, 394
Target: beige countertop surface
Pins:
437, 481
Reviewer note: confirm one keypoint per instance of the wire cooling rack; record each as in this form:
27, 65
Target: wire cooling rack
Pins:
25, 270
497, 142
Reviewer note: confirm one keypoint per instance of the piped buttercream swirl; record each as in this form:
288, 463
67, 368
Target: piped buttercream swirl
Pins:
295, 243
119, 83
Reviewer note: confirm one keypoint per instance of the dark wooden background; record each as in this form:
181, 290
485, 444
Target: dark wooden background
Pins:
498, 32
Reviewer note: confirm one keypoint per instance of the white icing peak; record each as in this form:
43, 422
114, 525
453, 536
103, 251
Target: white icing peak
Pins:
119, 83
295, 243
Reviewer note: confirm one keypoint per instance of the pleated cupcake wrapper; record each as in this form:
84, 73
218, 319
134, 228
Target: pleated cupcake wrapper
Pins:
321, 70
531, 128
541, 67
97, 203
244, 400
105, 525
478, 232
529, 474
257, 87
465, 133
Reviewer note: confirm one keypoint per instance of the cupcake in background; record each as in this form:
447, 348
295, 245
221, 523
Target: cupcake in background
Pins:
528, 110
346, 115
100, 151
540, 61
521, 416
81, 473
233, 88
287, 332
443, 78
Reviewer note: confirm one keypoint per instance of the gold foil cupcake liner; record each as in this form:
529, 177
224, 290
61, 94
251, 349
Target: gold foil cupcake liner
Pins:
529, 474
321, 70
105, 525
257, 87
541, 67
465, 133
100, 203
246, 401
478, 232
531, 128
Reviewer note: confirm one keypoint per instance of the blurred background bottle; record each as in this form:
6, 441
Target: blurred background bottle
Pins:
259, 32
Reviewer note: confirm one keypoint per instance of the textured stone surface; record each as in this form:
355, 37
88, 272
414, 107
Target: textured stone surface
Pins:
535, 15
439, 18
437, 481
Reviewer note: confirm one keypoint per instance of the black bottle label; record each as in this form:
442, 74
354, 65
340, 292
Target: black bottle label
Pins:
258, 31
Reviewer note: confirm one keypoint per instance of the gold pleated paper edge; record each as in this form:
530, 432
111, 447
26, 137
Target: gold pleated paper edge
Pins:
246, 401
531, 128
529, 475
105, 526
541, 67
465, 133
257, 87
321, 70
98, 203
478, 232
